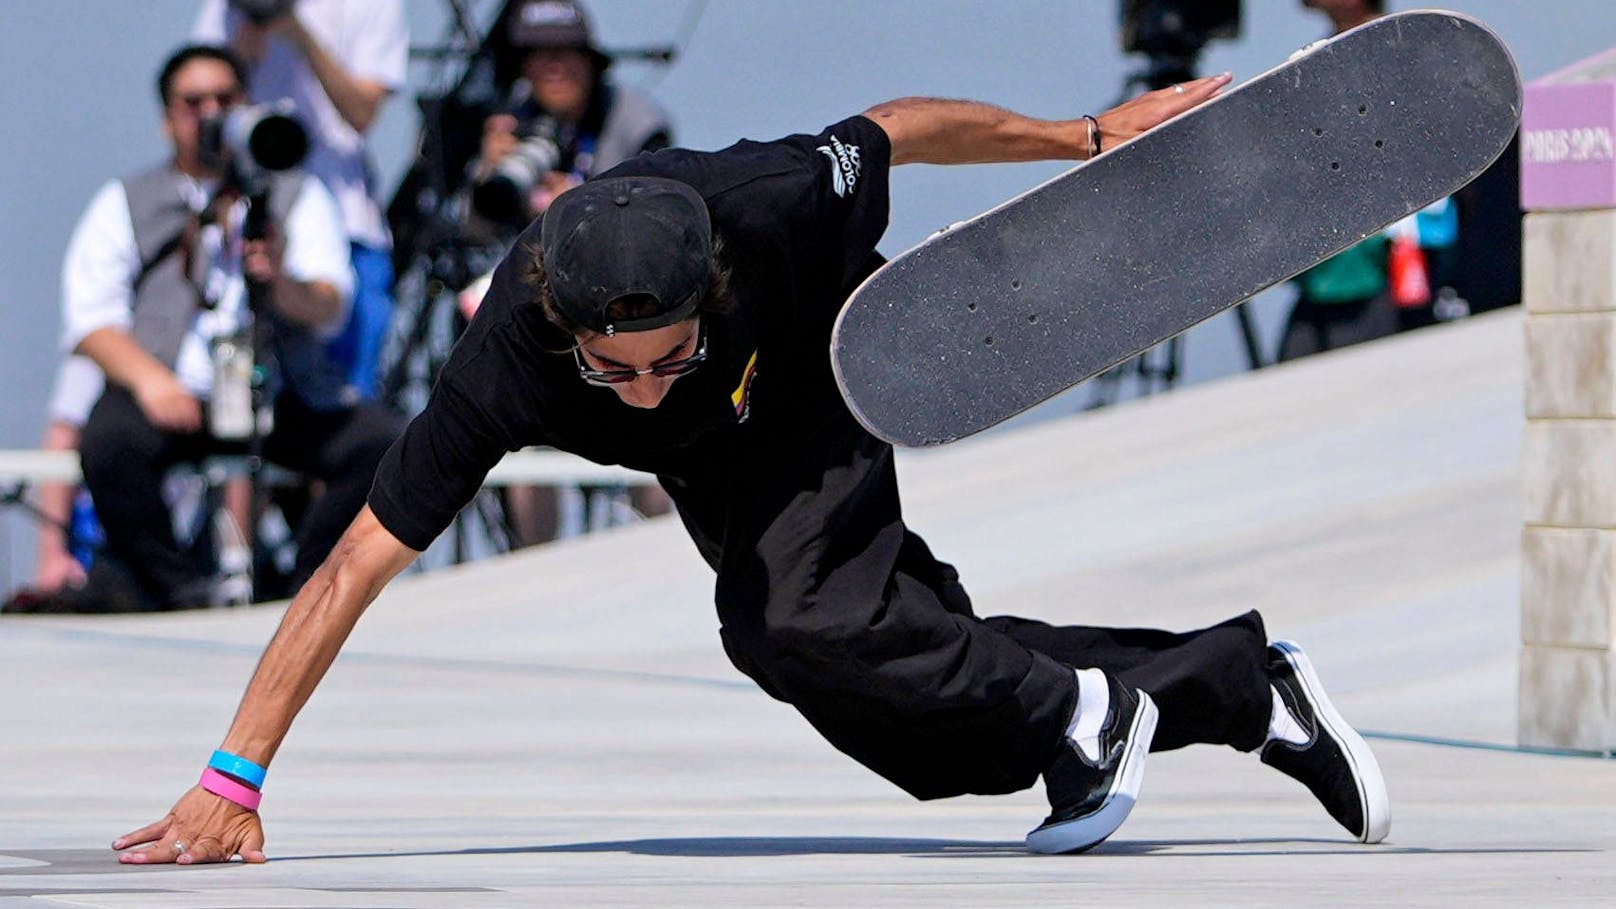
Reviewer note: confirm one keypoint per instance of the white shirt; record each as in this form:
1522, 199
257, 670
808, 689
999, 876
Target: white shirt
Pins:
369, 39
102, 263
78, 386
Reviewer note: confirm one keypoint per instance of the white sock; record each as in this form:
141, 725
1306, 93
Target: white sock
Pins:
1093, 699
1282, 726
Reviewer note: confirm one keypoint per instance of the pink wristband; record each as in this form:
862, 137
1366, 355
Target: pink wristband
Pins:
226, 788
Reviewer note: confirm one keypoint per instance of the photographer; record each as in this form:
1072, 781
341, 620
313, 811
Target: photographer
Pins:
159, 277
565, 122
337, 62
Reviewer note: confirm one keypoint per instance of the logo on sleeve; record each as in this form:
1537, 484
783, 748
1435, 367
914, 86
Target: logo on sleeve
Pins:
844, 165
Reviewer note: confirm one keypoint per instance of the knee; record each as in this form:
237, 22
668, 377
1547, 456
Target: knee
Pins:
802, 642
109, 447
815, 634
99, 465
789, 664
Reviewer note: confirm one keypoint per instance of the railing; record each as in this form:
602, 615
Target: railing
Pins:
23, 469
529, 467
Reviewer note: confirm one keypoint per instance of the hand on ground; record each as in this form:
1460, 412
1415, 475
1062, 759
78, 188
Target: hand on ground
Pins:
201, 828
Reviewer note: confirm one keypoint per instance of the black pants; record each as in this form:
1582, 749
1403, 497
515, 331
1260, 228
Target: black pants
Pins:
124, 458
831, 604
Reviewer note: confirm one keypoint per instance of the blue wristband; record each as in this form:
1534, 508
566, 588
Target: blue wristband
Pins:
238, 767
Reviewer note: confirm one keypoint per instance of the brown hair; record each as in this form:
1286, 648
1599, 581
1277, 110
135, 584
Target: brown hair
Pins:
718, 300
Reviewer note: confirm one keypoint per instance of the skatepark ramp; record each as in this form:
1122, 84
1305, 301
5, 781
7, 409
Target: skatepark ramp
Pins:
559, 727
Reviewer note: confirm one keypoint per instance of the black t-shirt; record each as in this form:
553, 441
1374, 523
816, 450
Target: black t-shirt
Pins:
799, 219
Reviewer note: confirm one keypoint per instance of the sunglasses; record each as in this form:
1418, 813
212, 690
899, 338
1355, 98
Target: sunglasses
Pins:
667, 369
195, 100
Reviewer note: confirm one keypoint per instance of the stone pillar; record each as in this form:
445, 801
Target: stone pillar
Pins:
1568, 552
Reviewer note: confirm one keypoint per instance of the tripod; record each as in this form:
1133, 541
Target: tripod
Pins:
240, 406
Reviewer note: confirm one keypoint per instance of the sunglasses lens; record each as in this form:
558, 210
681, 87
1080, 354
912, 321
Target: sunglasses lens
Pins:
223, 99
674, 369
621, 376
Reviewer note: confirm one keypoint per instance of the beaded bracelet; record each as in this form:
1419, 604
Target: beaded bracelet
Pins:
239, 767
228, 789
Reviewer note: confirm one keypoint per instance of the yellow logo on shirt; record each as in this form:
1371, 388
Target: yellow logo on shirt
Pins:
741, 397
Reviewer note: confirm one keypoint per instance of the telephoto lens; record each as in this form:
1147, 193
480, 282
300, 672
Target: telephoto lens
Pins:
251, 142
502, 196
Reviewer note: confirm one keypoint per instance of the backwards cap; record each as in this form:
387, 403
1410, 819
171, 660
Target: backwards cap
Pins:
645, 237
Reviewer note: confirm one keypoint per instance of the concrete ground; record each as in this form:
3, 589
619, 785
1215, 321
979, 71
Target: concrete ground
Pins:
560, 728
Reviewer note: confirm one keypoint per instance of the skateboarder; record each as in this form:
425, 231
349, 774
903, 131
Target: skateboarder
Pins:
673, 316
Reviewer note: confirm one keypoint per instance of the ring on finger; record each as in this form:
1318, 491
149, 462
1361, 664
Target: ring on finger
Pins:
179, 847
1178, 89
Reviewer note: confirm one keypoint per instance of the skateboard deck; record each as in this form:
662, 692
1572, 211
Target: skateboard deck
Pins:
997, 313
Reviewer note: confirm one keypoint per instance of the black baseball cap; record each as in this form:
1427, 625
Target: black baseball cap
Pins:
627, 237
540, 24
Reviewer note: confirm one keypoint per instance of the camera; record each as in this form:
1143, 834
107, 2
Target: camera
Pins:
248, 143
1177, 27
262, 11
1172, 33
502, 195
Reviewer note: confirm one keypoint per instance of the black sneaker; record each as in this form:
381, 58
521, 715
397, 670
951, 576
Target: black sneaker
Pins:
1334, 763
1090, 800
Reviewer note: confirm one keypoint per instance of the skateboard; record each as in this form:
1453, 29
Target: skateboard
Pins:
997, 313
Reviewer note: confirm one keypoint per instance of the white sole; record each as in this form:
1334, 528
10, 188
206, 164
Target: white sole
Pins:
1085, 832
1376, 806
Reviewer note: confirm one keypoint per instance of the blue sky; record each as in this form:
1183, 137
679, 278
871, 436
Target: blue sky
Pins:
79, 105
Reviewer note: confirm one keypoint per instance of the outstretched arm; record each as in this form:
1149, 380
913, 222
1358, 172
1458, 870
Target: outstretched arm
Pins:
357, 99
212, 829
940, 131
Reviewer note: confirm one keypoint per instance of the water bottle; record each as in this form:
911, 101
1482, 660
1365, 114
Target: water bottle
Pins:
230, 409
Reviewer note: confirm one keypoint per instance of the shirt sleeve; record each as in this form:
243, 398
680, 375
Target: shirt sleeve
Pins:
317, 247
836, 195
850, 193
486, 402
209, 27
378, 39
99, 270
435, 467
79, 384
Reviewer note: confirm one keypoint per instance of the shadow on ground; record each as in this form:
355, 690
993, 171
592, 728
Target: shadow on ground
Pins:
747, 846
99, 861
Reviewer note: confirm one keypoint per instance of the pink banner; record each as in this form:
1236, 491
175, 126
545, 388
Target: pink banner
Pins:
1568, 153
